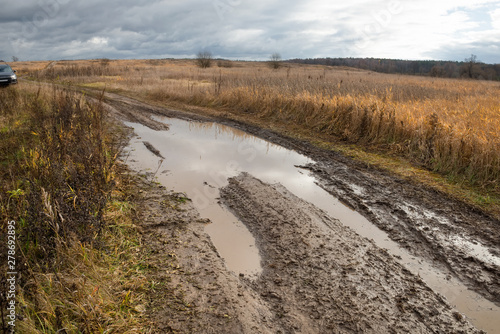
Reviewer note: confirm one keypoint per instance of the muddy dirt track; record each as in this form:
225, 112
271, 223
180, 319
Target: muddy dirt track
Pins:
318, 275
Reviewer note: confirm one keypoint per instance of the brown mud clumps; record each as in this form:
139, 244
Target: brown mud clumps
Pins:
321, 277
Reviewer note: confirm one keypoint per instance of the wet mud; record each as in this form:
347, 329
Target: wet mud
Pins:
193, 292
320, 276
426, 223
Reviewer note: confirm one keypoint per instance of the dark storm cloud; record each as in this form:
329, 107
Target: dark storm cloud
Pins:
68, 29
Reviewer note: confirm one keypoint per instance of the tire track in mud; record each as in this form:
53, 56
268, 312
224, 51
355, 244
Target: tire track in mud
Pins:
420, 219
321, 277
194, 293
411, 214
426, 223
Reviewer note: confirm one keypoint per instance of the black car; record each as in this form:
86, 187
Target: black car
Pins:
7, 75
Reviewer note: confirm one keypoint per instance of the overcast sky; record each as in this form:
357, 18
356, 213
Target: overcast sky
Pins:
250, 30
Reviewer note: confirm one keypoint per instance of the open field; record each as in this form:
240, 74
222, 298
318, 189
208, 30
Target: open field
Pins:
108, 252
25, 67
446, 126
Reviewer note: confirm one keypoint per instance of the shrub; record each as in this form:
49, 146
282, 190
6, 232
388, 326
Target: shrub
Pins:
204, 59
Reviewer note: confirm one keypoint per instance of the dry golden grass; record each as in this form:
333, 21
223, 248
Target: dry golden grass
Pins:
23, 67
96, 291
81, 262
448, 126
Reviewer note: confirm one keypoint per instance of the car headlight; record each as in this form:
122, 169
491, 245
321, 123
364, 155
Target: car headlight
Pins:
13, 77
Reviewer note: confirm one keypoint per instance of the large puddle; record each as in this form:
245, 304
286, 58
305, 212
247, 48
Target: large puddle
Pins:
200, 157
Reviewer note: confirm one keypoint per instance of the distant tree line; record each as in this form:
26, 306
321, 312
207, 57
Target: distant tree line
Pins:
469, 68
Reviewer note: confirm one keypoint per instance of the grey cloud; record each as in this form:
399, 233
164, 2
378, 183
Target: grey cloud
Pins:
55, 29
486, 51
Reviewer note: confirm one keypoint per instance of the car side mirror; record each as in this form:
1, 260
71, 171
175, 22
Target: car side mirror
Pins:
15, 71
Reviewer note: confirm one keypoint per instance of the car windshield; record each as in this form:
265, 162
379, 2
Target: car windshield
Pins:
5, 68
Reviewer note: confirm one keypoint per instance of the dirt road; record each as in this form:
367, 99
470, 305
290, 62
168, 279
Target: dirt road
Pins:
319, 276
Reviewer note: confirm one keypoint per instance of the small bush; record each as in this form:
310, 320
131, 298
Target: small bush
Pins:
275, 61
204, 59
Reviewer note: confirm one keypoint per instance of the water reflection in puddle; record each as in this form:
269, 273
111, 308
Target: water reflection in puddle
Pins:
200, 157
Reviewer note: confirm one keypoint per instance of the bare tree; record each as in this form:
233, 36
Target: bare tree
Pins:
14, 59
469, 67
204, 59
275, 61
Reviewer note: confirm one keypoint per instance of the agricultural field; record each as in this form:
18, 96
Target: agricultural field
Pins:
117, 161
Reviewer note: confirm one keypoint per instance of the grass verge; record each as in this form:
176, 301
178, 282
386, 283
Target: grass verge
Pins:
81, 264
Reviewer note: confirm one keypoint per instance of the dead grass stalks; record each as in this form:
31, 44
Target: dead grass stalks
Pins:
57, 172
